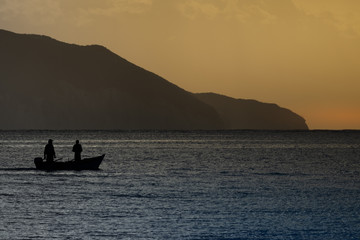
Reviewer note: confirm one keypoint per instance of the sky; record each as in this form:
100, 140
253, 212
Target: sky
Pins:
300, 54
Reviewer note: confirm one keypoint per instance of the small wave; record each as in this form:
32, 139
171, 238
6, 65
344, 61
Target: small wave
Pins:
134, 196
279, 174
273, 174
16, 169
7, 194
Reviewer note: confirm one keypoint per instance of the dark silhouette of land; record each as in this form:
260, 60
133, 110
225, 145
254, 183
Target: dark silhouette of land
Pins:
48, 84
251, 114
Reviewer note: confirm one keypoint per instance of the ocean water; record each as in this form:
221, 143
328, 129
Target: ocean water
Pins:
184, 185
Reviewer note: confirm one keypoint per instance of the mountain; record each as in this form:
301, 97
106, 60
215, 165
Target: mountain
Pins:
251, 114
48, 84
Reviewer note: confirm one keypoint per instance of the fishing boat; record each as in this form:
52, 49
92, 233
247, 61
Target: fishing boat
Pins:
83, 164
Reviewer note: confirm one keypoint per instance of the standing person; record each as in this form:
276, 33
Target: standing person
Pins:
49, 152
77, 149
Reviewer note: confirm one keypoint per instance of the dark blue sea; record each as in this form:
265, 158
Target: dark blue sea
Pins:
184, 185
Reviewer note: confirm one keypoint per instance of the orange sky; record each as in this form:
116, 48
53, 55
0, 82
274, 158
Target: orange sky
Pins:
301, 54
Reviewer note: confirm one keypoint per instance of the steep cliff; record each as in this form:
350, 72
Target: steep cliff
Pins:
251, 114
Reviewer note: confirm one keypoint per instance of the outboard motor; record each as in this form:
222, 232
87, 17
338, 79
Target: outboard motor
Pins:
38, 160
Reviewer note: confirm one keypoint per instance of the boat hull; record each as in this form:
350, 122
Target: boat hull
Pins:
84, 164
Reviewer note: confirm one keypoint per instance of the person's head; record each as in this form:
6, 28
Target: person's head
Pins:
50, 141
77, 141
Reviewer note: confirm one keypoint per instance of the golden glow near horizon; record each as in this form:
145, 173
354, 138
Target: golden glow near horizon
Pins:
301, 54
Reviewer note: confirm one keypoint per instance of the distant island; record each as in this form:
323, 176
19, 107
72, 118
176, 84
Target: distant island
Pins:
48, 84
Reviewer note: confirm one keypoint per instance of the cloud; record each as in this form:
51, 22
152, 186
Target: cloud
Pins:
80, 12
111, 8
195, 9
341, 14
255, 11
242, 11
39, 12
122, 6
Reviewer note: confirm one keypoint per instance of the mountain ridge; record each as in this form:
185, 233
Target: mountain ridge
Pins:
49, 84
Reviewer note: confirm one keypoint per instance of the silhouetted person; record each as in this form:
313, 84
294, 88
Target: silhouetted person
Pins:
49, 152
77, 149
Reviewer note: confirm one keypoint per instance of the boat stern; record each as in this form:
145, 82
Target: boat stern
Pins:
38, 161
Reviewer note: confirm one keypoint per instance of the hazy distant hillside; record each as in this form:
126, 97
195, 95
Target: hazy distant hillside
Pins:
251, 114
47, 84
